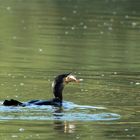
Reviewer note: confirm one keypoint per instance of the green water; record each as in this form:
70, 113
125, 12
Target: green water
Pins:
96, 40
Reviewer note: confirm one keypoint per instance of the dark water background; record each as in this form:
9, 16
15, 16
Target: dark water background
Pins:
99, 41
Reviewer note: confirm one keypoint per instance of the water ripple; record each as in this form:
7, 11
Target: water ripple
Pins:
70, 112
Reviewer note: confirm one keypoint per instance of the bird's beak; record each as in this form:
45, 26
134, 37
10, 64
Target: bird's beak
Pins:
71, 78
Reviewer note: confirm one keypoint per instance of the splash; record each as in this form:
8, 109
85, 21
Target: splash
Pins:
69, 112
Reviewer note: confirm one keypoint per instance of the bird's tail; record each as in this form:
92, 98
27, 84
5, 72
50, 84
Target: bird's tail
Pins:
12, 102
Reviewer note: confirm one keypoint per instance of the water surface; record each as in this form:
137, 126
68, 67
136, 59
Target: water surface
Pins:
96, 40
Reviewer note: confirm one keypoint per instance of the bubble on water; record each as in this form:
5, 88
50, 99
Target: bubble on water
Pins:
105, 24
112, 20
131, 82
77, 137
14, 37
22, 21
39, 26
37, 135
115, 72
73, 28
24, 28
102, 75
126, 16
21, 129
134, 24
126, 129
82, 90
81, 23
64, 18
74, 11
14, 136
9, 74
114, 12
110, 28
16, 96
40, 50
13, 76
137, 83
8, 8
101, 32
121, 22
24, 76
85, 26
66, 32
21, 84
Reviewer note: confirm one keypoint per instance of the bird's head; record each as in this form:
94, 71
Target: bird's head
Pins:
59, 83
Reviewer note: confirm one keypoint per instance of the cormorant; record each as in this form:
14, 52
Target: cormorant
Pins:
57, 85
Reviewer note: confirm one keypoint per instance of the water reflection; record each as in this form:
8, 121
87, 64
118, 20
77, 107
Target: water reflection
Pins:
65, 126
99, 40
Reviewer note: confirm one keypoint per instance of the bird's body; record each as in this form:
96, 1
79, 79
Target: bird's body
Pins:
58, 86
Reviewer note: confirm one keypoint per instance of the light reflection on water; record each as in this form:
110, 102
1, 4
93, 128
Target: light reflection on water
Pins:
96, 40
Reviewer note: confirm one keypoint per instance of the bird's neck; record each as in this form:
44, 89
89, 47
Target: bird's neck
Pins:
58, 89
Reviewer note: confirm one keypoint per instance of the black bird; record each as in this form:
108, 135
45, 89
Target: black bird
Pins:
57, 85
